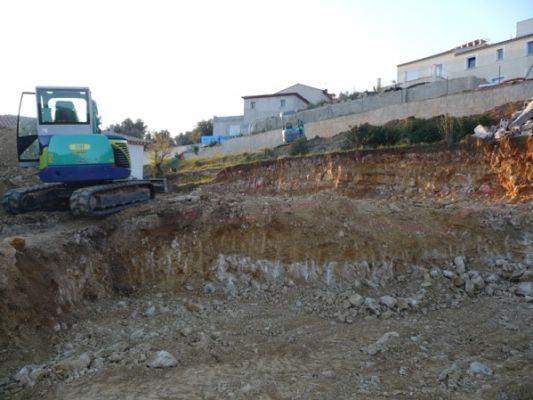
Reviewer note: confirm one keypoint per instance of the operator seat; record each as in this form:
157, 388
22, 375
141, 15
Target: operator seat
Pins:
65, 113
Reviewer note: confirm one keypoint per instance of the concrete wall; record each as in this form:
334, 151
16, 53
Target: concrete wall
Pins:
371, 102
223, 125
458, 105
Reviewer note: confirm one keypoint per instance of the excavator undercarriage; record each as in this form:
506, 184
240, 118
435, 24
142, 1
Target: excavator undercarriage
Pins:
87, 201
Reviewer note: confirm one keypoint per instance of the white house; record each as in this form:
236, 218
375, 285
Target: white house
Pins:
263, 106
494, 62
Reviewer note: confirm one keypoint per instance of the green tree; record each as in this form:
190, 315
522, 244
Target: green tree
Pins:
128, 127
183, 139
160, 151
203, 128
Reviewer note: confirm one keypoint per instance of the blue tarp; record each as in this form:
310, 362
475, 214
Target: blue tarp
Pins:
215, 139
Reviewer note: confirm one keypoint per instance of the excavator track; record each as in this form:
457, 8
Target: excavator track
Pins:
110, 198
42, 197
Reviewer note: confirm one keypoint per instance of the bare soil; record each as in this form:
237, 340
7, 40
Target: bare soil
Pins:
397, 274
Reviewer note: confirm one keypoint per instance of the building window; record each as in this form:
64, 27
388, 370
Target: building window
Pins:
282, 103
530, 48
411, 75
252, 105
471, 62
499, 54
438, 70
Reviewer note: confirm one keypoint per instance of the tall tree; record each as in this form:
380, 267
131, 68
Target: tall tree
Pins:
183, 139
160, 151
128, 127
203, 128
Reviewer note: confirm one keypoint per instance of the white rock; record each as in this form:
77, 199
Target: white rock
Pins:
492, 278
459, 263
382, 344
186, 331
524, 289
372, 305
481, 132
162, 359
23, 376
74, 364
478, 282
150, 311
356, 300
469, 287
413, 302
389, 301
448, 274
478, 368
435, 273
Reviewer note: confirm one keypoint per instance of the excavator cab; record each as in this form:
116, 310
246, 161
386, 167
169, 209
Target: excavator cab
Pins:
48, 112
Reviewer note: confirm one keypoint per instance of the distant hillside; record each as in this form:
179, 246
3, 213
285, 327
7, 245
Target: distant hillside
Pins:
8, 147
8, 121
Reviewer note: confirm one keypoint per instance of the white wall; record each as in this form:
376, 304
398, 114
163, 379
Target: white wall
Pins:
137, 160
524, 27
223, 126
515, 63
270, 106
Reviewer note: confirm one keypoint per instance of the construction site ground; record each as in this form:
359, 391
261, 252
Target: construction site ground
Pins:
387, 274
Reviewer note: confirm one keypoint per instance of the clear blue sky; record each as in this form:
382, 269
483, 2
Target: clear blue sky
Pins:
174, 63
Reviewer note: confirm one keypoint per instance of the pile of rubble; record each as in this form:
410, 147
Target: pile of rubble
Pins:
520, 124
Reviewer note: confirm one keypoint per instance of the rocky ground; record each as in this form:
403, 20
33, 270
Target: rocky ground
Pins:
285, 342
408, 277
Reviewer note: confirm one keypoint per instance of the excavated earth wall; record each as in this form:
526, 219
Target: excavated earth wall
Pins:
254, 216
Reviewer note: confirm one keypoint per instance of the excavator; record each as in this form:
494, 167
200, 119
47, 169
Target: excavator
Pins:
81, 168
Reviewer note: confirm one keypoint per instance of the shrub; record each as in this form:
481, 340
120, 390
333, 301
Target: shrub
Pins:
414, 131
269, 153
299, 146
447, 128
423, 131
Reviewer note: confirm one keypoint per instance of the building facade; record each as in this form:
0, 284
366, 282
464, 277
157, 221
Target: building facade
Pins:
494, 62
259, 109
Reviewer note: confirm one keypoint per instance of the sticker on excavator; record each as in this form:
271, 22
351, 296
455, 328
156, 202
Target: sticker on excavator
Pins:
79, 148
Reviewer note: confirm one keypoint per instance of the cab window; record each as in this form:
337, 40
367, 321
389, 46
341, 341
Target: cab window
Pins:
63, 107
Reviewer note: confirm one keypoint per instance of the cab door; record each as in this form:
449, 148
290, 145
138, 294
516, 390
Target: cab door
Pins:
27, 138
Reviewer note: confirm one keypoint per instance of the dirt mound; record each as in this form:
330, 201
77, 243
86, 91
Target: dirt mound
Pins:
11, 175
505, 110
8, 147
